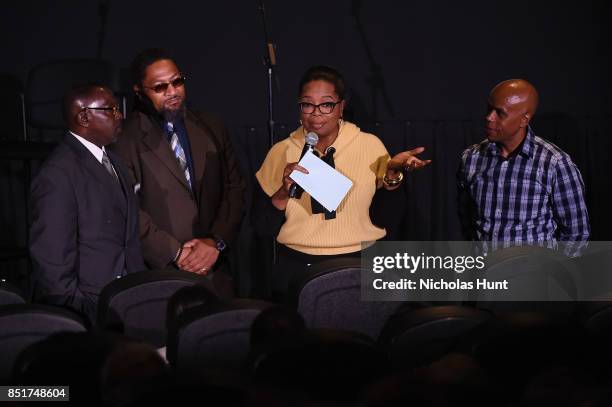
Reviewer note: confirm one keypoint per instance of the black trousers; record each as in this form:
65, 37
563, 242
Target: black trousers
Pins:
290, 263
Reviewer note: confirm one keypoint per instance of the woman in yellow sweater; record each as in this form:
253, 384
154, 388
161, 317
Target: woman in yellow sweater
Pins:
308, 232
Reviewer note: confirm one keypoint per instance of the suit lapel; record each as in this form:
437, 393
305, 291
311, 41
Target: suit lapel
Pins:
97, 172
155, 140
128, 192
201, 143
125, 187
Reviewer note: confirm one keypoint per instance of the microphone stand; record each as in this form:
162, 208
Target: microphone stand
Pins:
270, 63
375, 80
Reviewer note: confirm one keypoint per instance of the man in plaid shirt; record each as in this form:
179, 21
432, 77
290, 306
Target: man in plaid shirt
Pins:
517, 188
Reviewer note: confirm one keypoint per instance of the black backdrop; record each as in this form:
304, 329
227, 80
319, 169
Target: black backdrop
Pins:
418, 71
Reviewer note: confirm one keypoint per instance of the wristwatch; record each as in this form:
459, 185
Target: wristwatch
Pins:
220, 243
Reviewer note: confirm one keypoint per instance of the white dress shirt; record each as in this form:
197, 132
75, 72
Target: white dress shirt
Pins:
93, 149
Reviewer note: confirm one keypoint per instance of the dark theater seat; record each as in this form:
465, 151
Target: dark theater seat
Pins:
416, 337
11, 294
329, 296
136, 304
214, 335
23, 324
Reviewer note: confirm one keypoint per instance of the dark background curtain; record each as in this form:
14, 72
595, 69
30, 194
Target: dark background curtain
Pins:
419, 73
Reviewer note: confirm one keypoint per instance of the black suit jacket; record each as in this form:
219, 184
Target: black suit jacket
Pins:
170, 212
84, 227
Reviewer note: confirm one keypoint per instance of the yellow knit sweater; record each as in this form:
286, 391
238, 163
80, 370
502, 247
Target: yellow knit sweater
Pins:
362, 158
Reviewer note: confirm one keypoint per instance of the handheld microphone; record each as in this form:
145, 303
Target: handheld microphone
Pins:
311, 140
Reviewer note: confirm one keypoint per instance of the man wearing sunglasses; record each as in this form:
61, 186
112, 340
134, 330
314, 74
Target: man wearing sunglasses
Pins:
190, 191
84, 226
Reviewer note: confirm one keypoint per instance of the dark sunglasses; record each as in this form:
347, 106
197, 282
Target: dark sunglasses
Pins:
163, 87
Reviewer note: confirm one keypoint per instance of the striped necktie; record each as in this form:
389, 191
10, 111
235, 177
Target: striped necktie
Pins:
178, 152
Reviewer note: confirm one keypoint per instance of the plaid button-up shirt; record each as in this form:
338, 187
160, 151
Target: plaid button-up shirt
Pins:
536, 195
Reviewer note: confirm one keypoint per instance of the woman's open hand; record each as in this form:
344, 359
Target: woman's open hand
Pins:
408, 160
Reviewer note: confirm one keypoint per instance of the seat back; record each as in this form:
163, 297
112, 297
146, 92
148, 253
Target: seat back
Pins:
136, 304
23, 324
329, 296
415, 337
186, 298
11, 294
214, 335
541, 280
597, 317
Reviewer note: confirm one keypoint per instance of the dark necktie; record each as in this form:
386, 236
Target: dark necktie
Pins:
108, 166
178, 152
328, 158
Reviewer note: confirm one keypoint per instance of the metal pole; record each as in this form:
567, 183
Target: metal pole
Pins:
270, 63
23, 117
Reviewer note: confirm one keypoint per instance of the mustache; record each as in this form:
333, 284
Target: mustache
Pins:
173, 98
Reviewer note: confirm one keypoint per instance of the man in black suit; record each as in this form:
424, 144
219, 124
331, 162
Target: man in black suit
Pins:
84, 229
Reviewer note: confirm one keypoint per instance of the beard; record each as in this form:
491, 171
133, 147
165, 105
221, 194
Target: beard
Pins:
143, 104
170, 115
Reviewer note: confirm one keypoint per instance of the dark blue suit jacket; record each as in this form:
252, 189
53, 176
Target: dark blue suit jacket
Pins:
84, 227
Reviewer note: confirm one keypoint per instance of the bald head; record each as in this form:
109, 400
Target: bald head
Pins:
512, 104
92, 112
79, 97
517, 93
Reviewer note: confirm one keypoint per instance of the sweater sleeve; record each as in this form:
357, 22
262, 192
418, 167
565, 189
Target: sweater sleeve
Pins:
270, 174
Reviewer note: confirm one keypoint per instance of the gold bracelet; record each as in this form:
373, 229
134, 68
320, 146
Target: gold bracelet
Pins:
391, 182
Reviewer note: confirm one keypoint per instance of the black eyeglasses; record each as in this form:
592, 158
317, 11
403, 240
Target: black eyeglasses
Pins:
162, 87
324, 108
114, 109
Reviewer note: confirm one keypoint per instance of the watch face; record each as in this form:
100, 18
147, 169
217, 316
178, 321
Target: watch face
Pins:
220, 245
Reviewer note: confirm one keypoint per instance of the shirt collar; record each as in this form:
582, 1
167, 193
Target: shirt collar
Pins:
177, 124
96, 151
528, 148
525, 149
